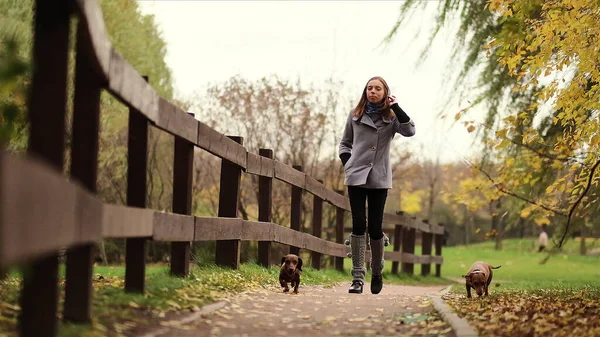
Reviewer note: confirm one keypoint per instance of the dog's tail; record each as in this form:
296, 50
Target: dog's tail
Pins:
495, 267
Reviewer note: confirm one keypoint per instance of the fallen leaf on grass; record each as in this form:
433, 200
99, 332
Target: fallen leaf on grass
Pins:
134, 305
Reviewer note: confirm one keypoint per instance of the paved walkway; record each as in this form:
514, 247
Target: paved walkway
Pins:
316, 311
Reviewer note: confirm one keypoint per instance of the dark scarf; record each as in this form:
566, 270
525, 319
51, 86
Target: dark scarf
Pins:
373, 108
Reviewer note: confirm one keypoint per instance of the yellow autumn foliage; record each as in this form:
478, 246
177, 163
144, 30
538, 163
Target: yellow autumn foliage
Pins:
554, 46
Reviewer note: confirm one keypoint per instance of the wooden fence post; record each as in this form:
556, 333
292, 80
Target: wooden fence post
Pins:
228, 251
397, 244
408, 246
183, 167
265, 202
339, 233
46, 116
439, 238
137, 164
295, 211
84, 167
426, 239
317, 226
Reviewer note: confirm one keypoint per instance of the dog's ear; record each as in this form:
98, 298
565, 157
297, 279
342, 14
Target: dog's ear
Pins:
299, 266
282, 260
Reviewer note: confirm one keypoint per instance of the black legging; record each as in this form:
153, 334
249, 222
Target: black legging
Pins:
358, 198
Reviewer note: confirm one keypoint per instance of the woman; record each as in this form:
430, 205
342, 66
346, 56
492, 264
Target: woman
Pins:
365, 153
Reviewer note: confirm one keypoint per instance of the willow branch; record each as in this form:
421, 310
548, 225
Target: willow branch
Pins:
572, 210
501, 188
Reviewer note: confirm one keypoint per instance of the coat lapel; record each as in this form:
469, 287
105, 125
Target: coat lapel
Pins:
365, 119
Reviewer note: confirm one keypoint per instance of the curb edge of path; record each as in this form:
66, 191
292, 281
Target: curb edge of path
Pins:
460, 326
207, 309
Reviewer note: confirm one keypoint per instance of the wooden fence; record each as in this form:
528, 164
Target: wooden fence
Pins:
42, 211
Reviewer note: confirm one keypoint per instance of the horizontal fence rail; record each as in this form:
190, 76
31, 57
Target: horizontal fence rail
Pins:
42, 211
32, 193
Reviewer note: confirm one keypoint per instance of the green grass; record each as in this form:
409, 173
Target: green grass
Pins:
521, 265
522, 268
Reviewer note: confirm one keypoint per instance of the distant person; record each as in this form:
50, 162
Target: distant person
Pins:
365, 154
543, 239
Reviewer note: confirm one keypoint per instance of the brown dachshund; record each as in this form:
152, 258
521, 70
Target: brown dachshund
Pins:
291, 270
479, 278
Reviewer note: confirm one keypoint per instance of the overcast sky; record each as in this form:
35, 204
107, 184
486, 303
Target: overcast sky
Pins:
211, 41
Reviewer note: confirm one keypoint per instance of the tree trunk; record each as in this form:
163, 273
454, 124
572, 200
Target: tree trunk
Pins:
582, 247
495, 208
522, 227
242, 209
431, 201
466, 226
103, 253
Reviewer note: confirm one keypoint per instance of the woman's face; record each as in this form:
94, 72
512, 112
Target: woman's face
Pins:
375, 91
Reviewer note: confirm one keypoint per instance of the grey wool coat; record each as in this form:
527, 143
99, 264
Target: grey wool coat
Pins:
369, 144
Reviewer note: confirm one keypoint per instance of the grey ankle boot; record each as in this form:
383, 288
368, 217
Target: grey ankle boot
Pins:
377, 264
358, 244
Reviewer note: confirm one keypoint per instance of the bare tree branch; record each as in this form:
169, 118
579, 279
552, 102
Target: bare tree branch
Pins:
574, 206
501, 188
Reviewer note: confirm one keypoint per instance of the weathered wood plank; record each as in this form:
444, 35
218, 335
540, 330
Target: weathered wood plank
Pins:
289, 174
227, 252
257, 231
410, 222
183, 172
46, 111
137, 168
89, 212
173, 227
291, 237
211, 229
92, 16
127, 222
265, 207
84, 168
220, 145
176, 121
338, 200
396, 219
37, 209
317, 225
129, 86
316, 188
211, 140
259, 165
411, 258
296, 210
438, 242
236, 153
420, 226
339, 235
426, 244
436, 229
253, 164
267, 167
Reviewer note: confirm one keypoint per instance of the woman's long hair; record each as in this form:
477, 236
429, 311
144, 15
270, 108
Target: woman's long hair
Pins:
360, 108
